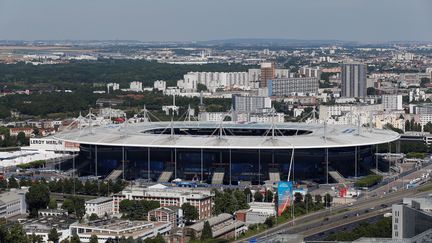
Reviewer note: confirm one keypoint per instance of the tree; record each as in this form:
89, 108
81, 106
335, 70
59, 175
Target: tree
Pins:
52, 204
298, 197
16, 235
79, 205
137, 210
308, 202
37, 198
206, 232
269, 196
36, 131
327, 200
158, 239
407, 125
391, 127
308, 198
21, 138
13, 183
201, 87
231, 204
269, 222
190, 212
53, 235
68, 205
371, 91
25, 182
33, 238
4, 232
248, 194
127, 240
3, 184
75, 205
428, 127
258, 197
93, 217
93, 239
241, 199
75, 239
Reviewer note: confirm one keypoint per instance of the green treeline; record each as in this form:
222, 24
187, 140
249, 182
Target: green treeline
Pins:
381, 229
80, 76
107, 70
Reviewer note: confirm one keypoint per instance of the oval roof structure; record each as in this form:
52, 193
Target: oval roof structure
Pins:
208, 135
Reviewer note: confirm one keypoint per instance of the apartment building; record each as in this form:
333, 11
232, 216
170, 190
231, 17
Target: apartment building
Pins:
201, 199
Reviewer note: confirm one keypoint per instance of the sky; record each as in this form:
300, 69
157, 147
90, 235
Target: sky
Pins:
195, 20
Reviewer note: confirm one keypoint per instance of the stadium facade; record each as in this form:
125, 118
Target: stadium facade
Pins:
227, 152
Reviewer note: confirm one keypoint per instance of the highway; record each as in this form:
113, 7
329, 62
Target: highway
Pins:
400, 182
327, 219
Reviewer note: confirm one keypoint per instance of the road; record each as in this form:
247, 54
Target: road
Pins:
323, 220
399, 182
319, 233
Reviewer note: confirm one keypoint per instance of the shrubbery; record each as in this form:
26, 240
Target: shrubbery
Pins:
34, 164
416, 155
368, 180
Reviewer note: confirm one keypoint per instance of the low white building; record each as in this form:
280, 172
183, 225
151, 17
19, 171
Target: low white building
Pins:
159, 85
113, 86
109, 112
12, 203
136, 86
99, 206
111, 228
42, 226
212, 116
258, 212
187, 85
267, 118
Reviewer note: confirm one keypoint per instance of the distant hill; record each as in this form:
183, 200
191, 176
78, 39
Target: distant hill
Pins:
275, 42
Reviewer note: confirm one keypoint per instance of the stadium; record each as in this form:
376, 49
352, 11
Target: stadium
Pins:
227, 152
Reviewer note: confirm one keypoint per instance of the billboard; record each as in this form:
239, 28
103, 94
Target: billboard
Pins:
50, 144
284, 190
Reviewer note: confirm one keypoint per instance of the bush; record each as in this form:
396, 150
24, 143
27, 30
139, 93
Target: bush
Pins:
416, 155
34, 164
368, 180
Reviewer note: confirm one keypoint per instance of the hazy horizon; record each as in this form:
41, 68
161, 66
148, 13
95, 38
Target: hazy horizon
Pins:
201, 20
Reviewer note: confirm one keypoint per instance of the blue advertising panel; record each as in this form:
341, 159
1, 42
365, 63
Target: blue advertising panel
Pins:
284, 190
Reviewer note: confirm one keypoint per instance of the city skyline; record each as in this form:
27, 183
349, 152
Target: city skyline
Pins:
193, 20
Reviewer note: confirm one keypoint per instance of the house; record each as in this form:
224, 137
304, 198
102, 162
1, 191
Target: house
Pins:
172, 214
28, 131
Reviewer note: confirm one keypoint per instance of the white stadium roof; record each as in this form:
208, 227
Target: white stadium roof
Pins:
308, 135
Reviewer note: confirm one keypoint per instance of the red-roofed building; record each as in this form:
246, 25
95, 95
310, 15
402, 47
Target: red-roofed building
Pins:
28, 131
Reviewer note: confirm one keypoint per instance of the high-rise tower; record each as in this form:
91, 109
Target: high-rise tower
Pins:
353, 80
267, 73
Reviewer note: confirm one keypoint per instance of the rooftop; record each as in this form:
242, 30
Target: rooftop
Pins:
212, 221
99, 200
234, 136
46, 223
167, 191
119, 228
12, 195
